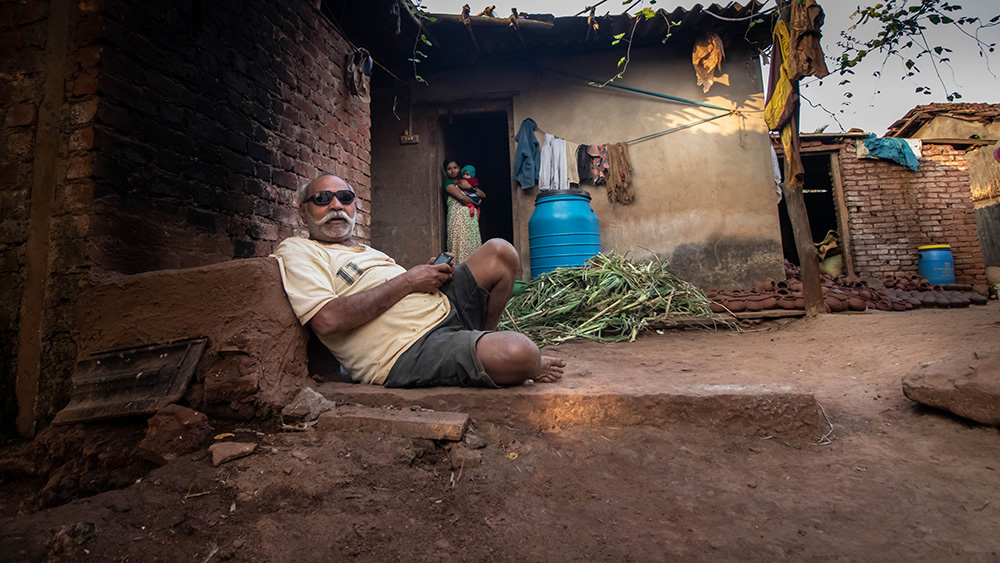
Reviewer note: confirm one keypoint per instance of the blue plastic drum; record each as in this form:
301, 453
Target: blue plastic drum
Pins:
563, 231
936, 264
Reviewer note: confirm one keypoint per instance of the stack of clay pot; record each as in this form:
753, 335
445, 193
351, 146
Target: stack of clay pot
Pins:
840, 294
944, 296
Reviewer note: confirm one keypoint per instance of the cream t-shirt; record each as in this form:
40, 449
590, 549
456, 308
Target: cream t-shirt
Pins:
314, 273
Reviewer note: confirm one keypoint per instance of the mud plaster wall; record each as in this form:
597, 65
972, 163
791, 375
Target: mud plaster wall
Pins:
892, 211
256, 355
180, 137
705, 198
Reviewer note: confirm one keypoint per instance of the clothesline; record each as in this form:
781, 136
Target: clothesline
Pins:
665, 131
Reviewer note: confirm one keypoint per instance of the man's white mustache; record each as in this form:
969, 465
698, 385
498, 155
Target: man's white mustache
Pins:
336, 214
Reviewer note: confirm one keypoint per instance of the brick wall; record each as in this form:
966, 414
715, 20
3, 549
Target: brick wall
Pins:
207, 124
893, 210
183, 136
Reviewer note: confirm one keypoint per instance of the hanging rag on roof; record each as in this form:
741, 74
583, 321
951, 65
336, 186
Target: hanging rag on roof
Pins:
891, 148
598, 163
707, 56
619, 175
552, 166
526, 155
781, 110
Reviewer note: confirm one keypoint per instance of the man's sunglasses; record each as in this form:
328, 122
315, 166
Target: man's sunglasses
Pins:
324, 197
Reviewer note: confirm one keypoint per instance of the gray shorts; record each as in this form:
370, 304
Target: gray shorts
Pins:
446, 355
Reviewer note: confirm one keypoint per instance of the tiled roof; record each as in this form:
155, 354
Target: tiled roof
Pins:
920, 115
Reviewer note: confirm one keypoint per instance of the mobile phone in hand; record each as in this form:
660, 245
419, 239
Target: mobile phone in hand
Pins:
443, 258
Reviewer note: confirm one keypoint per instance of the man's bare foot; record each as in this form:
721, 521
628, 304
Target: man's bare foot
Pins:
551, 370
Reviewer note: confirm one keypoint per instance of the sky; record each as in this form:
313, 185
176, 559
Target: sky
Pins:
876, 102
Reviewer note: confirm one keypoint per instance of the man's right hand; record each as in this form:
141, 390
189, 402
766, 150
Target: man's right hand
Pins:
427, 278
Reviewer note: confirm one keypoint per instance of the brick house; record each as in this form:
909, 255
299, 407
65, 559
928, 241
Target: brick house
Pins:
142, 136
978, 124
884, 211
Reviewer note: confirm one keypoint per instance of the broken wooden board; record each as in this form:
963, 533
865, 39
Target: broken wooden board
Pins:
432, 425
131, 381
768, 314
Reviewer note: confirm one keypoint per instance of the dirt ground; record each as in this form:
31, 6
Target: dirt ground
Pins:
893, 481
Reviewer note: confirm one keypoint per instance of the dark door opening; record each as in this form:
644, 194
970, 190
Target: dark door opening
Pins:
482, 140
821, 206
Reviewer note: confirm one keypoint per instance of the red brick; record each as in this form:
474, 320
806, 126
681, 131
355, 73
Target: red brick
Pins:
80, 167
89, 56
82, 139
20, 115
85, 84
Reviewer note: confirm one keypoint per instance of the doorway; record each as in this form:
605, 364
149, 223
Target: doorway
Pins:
483, 140
820, 198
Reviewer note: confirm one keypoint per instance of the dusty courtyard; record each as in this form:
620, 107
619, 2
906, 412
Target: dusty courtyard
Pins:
875, 477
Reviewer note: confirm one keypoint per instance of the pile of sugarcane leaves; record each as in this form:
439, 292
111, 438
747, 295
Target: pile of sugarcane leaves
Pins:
609, 299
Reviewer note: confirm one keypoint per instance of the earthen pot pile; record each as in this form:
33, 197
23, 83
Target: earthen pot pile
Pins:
899, 293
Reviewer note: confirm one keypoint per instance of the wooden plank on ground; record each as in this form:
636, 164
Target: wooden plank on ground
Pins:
432, 425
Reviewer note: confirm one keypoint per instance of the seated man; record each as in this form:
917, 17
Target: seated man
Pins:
427, 326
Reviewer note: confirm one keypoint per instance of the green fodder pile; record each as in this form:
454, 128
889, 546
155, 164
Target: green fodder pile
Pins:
609, 299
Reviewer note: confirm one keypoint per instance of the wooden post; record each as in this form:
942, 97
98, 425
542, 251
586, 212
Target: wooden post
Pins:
812, 291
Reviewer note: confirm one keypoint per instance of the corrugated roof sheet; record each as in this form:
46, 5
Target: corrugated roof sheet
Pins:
542, 34
390, 32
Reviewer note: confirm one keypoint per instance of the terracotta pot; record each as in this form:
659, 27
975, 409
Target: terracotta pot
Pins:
768, 302
883, 305
754, 303
737, 305
835, 304
977, 299
899, 305
857, 304
716, 307
786, 302
800, 302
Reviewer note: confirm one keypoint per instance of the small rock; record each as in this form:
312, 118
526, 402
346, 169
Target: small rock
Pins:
299, 455
463, 457
474, 441
306, 407
173, 431
228, 451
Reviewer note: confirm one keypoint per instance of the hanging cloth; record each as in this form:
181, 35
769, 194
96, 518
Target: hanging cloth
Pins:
572, 170
552, 167
526, 155
619, 175
583, 168
806, 54
598, 163
781, 110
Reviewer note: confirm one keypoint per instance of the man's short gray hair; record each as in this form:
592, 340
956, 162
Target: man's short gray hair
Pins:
304, 188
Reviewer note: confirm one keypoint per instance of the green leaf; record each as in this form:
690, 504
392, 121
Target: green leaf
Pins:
621, 61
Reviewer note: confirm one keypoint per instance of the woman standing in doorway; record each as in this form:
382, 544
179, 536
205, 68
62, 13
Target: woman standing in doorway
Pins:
463, 226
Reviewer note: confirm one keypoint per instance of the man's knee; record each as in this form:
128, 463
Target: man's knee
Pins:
523, 354
504, 252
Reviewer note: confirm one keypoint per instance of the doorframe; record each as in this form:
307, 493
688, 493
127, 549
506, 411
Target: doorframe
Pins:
472, 107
